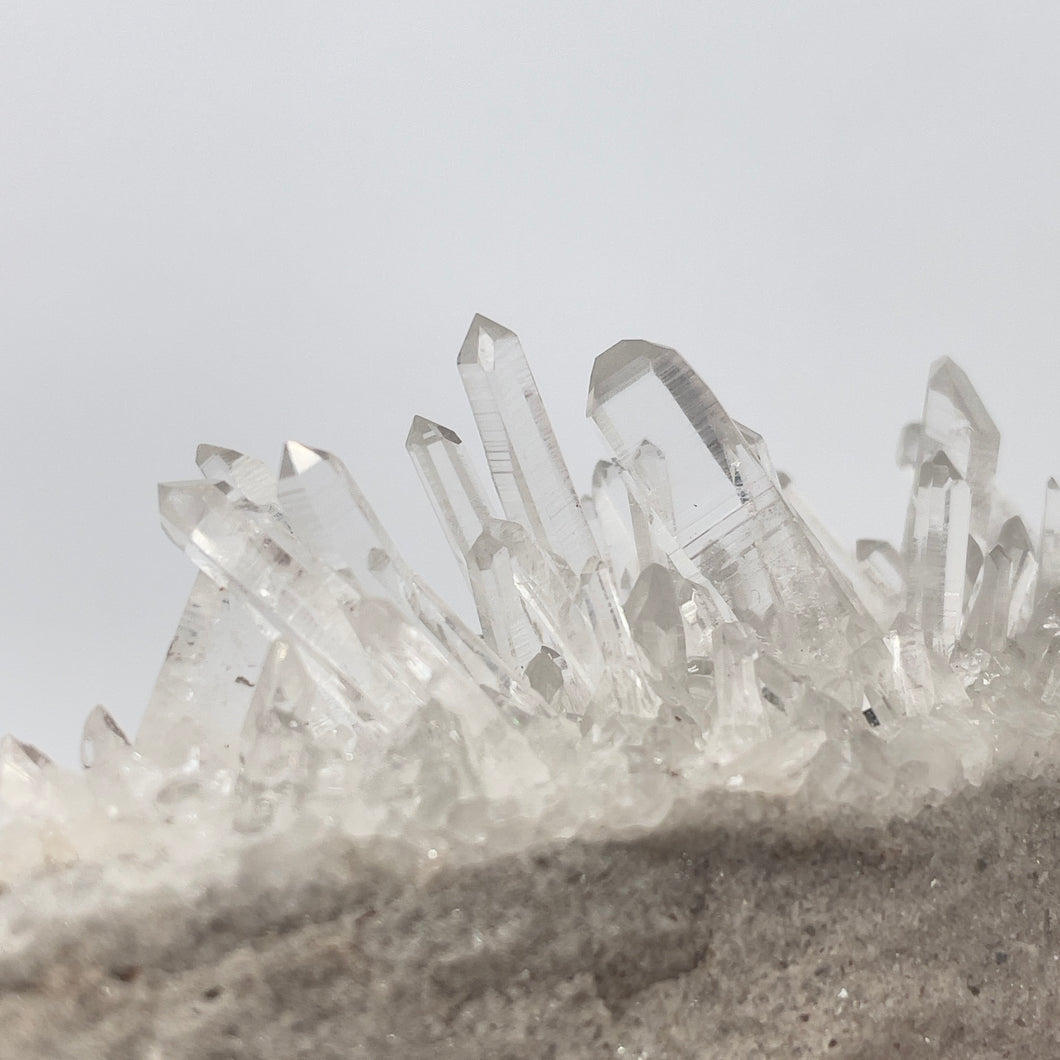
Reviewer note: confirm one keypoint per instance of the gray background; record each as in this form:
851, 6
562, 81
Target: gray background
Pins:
242, 222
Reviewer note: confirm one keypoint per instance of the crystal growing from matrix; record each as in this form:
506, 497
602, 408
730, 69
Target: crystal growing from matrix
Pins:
688, 624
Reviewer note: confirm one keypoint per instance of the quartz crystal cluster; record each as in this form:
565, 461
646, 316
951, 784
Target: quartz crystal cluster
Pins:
687, 625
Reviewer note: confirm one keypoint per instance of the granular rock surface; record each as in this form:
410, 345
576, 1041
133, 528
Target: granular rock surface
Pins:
742, 928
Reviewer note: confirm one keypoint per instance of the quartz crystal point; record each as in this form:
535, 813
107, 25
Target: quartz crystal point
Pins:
731, 524
880, 565
524, 457
454, 489
329, 513
653, 523
612, 508
276, 746
22, 777
938, 552
957, 424
1049, 548
252, 477
1005, 590
102, 740
296, 594
743, 718
502, 612
655, 621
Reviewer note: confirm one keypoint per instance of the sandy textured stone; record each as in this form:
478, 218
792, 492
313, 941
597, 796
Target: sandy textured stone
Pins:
744, 927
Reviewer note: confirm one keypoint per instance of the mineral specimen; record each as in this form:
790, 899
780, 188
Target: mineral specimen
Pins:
689, 625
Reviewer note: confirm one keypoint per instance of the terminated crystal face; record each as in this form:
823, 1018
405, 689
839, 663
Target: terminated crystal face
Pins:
687, 624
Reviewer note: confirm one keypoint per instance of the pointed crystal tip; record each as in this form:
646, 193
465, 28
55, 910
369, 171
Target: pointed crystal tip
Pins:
1013, 537
1052, 485
938, 471
620, 365
205, 452
298, 459
424, 431
478, 345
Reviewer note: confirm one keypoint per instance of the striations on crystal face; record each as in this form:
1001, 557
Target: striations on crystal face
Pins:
690, 625
525, 461
938, 551
731, 525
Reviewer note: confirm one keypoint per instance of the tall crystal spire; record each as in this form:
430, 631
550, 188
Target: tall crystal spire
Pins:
461, 504
941, 510
1049, 545
956, 423
524, 457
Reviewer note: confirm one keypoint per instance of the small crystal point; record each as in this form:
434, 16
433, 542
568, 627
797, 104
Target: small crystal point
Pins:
101, 738
299, 459
329, 514
501, 610
22, 780
454, 489
611, 505
957, 423
424, 431
1049, 548
480, 343
655, 621
743, 718
275, 745
250, 476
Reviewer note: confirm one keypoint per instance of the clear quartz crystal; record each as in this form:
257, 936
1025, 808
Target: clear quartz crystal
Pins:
957, 424
655, 621
653, 522
743, 717
1049, 570
731, 524
692, 624
612, 509
459, 500
251, 477
22, 775
102, 739
524, 457
276, 748
203, 689
938, 552
329, 513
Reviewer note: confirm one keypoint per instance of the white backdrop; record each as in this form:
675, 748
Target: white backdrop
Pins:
243, 222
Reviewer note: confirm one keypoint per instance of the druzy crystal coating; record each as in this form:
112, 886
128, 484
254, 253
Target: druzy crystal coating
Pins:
687, 624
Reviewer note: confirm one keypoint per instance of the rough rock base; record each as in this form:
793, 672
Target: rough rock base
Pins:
759, 932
